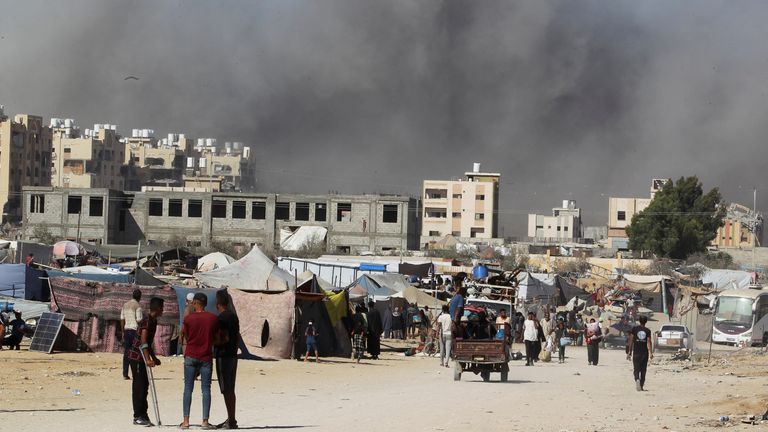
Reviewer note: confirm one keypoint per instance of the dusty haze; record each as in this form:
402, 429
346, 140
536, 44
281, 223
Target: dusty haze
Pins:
574, 99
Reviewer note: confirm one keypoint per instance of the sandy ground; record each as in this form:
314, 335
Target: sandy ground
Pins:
397, 393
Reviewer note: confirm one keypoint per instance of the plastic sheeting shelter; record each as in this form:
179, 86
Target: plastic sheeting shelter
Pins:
412, 295
12, 280
536, 286
303, 236
253, 272
651, 284
727, 279
377, 285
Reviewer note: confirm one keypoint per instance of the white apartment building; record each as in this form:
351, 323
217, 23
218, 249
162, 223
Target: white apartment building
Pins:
466, 208
564, 224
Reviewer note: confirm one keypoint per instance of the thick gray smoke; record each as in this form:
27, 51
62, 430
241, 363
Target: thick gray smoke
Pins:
568, 100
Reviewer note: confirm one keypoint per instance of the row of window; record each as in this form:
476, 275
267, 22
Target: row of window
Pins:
442, 194
74, 205
259, 210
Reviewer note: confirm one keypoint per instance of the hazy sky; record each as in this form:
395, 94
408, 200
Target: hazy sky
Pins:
568, 100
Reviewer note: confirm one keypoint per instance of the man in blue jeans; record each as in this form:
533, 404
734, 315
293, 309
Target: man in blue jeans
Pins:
130, 315
201, 331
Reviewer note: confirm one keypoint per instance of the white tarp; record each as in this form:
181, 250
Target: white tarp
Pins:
534, 286
89, 269
305, 235
213, 261
394, 281
650, 283
306, 275
727, 279
253, 272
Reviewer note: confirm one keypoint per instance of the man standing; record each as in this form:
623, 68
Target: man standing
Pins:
640, 349
200, 330
226, 356
374, 331
130, 315
530, 336
456, 307
18, 326
140, 351
445, 323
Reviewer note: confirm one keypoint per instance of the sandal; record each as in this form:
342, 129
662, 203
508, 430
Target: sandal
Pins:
183, 426
208, 427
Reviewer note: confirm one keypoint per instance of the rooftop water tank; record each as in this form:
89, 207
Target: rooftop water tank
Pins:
200, 142
238, 146
480, 271
145, 133
190, 162
202, 163
134, 133
68, 122
247, 152
476, 167
209, 142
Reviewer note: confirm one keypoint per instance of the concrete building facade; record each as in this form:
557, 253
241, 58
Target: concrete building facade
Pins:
94, 159
622, 210
355, 223
563, 225
25, 159
466, 208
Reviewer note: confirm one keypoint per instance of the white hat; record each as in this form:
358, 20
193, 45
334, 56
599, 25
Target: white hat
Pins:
190, 296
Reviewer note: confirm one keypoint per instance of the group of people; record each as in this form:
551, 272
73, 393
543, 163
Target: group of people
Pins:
17, 327
206, 337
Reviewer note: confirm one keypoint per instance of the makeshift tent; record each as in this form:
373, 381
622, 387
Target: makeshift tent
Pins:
253, 272
420, 270
213, 261
312, 295
308, 277
266, 322
102, 276
12, 280
393, 281
93, 308
41, 251
29, 309
129, 252
536, 287
303, 236
726, 279
650, 283
36, 285
366, 286
67, 248
143, 277
566, 290
414, 295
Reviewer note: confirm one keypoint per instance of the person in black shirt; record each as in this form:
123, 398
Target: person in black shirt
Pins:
226, 356
640, 350
140, 357
18, 326
374, 331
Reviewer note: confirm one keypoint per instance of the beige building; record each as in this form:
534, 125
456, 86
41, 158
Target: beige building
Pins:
563, 225
93, 159
466, 208
25, 160
233, 163
742, 228
622, 210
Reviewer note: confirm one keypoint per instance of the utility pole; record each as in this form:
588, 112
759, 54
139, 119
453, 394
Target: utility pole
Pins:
754, 231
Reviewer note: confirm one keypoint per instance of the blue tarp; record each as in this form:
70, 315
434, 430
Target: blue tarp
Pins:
12, 280
373, 267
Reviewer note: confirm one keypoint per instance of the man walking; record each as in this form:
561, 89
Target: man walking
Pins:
226, 356
130, 315
200, 330
640, 350
530, 337
140, 351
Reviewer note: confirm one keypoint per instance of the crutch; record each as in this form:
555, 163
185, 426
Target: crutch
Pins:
152, 387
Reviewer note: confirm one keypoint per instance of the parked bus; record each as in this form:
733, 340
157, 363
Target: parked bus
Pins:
736, 313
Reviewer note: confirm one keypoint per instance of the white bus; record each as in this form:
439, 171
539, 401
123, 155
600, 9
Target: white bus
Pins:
736, 313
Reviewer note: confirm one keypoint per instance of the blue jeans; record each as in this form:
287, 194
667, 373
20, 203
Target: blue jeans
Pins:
128, 337
191, 368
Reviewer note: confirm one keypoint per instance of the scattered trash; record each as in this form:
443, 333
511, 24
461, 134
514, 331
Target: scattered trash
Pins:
76, 392
724, 419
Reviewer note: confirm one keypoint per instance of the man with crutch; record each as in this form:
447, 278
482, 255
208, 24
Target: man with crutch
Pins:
141, 357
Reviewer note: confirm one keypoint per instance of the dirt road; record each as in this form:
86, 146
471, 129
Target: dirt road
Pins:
40, 392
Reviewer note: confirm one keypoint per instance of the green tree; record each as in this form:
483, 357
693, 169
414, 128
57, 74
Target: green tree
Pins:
680, 220
43, 234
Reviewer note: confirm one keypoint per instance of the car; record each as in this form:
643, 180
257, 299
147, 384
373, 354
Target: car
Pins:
673, 336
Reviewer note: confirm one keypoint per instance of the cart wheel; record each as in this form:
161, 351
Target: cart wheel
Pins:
486, 375
456, 371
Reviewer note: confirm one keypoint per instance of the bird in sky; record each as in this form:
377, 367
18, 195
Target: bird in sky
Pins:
130, 77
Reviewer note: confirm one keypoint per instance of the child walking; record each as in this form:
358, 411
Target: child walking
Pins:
358, 339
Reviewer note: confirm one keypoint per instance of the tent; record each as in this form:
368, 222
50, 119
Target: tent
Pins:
303, 236
366, 286
393, 281
143, 277
727, 279
651, 284
420, 270
29, 309
36, 286
67, 248
412, 295
12, 280
536, 286
266, 322
100, 276
213, 261
253, 272
92, 313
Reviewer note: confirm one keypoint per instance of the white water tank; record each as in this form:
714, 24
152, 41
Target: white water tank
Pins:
202, 163
209, 142
190, 162
145, 133
476, 167
228, 147
68, 123
200, 142
247, 152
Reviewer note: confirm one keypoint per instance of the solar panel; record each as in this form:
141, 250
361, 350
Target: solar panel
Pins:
47, 330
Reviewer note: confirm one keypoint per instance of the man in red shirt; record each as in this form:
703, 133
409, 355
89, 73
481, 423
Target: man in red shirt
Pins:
201, 330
